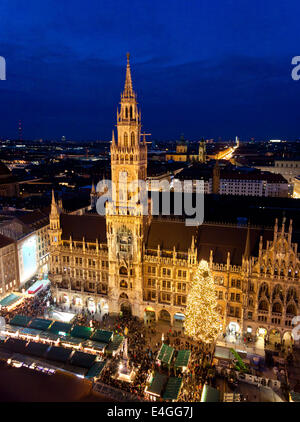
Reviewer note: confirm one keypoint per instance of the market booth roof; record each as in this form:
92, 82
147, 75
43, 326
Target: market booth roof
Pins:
40, 324
15, 345
11, 328
182, 359
95, 370
59, 354
172, 388
49, 336
70, 341
59, 327
102, 336
10, 300
29, 332
157, 384
37, 349
83, 360
21, 320
165, 354
80, 331
94, 346
115, 344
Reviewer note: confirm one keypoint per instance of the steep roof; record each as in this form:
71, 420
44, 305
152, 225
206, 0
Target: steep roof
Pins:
170, 233
89, 226
34, 218
221, 239
5, 241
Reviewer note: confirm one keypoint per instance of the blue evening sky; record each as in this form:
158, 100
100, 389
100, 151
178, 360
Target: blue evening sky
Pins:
205, 68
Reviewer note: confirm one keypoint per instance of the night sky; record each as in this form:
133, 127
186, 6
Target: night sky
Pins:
204, 68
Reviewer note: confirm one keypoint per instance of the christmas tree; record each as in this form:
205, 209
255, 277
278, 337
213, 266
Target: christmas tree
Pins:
202, 321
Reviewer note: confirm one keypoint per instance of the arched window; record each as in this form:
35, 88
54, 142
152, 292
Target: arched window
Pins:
130, 112
277, 308
263, 291
277, 292
123, 271
291, 295
126, 112
263, 305
125, 140
291, 310
132, 139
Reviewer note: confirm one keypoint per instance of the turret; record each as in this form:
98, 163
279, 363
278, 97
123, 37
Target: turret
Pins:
247, 251
93, 196
275, 230
290, 232
54, 230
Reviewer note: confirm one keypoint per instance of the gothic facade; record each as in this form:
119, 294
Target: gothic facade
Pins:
125, 261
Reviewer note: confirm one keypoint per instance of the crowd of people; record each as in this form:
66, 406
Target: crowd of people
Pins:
143, 348
34, 306
144, 343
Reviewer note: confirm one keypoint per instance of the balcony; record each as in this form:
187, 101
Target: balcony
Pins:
261, 312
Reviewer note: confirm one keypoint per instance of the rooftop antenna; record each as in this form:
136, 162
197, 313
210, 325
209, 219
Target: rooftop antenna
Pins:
20, 131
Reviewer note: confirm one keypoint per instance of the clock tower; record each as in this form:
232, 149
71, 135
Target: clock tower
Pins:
125, 219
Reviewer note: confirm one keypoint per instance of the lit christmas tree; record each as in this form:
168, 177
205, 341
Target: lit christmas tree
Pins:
202, 321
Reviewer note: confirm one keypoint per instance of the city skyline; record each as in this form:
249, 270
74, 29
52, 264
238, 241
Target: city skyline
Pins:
64, 82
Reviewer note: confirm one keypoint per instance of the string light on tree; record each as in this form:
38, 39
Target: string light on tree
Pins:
202, 321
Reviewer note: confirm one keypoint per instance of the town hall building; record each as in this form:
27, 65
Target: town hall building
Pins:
125, 261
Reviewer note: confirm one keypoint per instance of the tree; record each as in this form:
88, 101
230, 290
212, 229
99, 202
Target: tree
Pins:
202, 321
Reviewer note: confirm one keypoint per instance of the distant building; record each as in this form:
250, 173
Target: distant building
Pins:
188, 152
9, 280
8, 184
257, 184
29, 232
236, 181
296, 183
289, 169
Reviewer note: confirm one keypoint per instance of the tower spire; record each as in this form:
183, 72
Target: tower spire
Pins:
54, 207
247, 244
128, 91
53, 198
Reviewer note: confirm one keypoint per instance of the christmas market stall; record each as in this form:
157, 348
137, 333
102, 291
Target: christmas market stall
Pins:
172, 389
161, 387
156, 384
11, 301
115, 346
165, 355
182, 360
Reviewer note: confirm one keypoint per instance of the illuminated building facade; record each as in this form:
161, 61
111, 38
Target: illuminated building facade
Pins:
8, 266
127, 262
